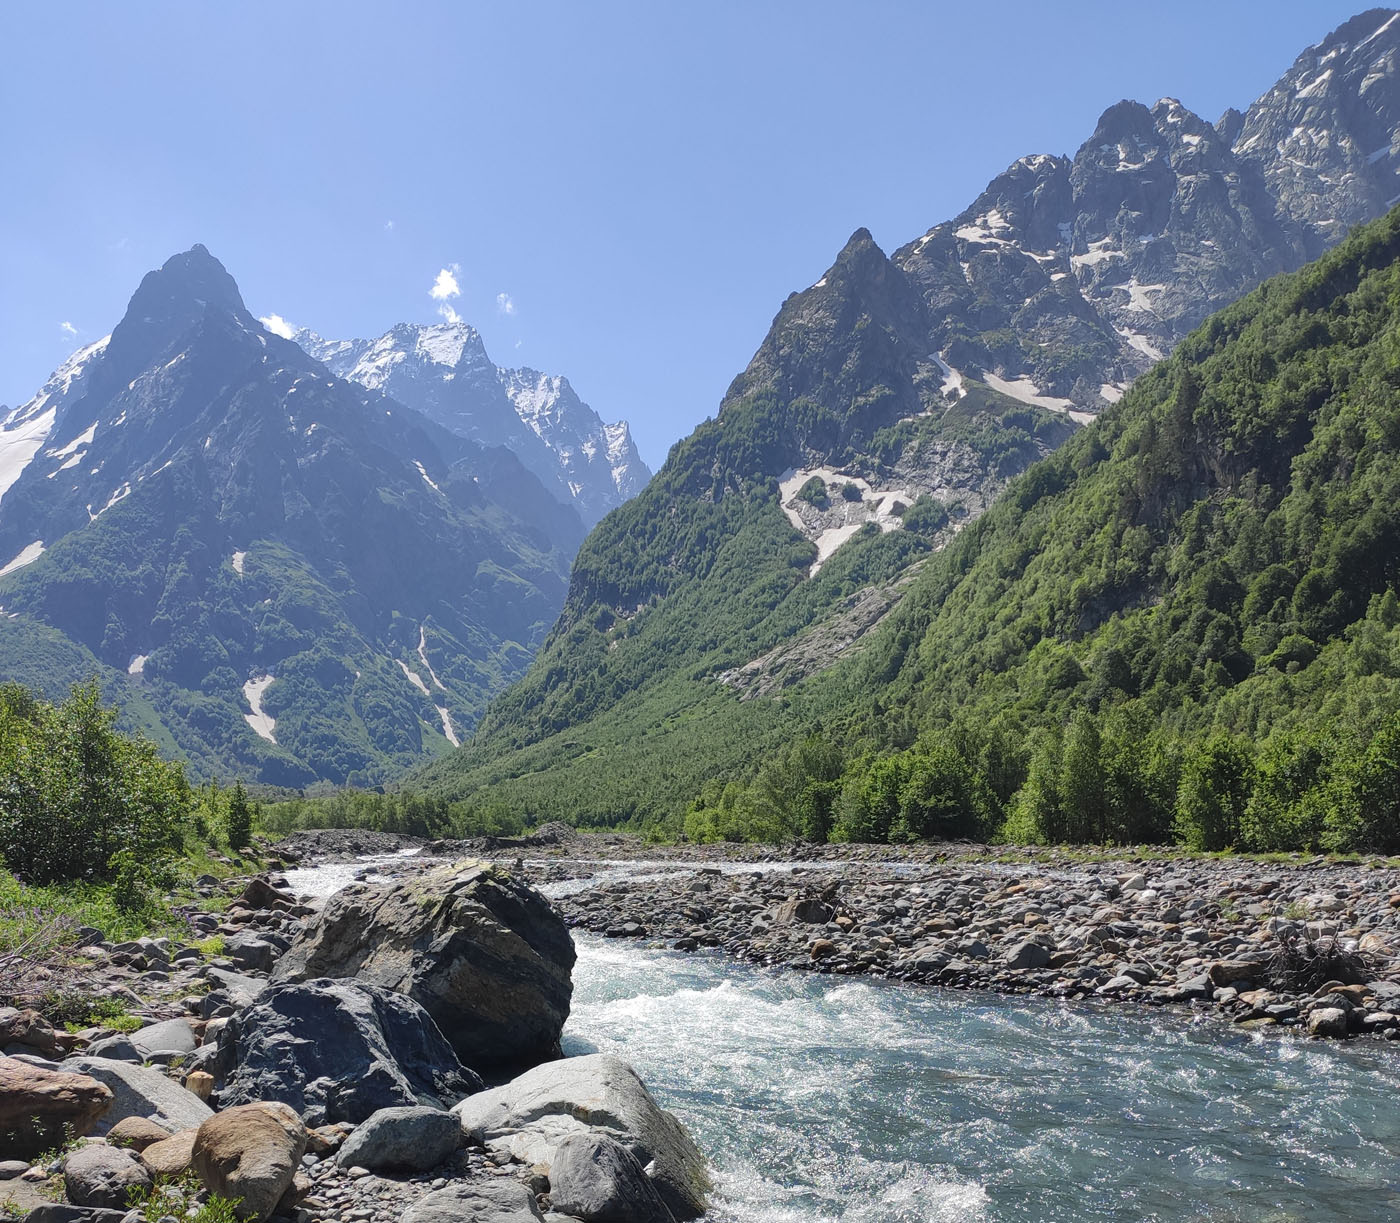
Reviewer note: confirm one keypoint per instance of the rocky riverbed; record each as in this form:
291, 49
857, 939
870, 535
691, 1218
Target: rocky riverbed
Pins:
235, 1016
1309, 944
303, 1059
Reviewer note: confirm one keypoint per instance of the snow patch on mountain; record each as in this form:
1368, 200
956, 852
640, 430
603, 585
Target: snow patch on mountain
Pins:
412, 676
28, 555
447, 730
851, 503
1027, 392
261, 721
423, 656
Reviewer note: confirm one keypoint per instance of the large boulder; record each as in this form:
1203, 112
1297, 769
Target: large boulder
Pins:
172, 1036
40, 1108
339, 1051
597, 1179
64, 1212
533, 1114
136, 1133
141, 1092
104, 1176
505, 1201
482, 952
170, 1156
250, 1154
403, 1140
27, 1029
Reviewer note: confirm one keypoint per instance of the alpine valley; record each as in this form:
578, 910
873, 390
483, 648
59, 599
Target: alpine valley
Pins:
278, 573
892, 402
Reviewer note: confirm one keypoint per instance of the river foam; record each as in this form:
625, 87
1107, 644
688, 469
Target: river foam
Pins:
822, 1100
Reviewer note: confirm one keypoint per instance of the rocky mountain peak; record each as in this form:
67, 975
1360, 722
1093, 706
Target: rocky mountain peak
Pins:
1324, 137
444, 371
188, 283
204, 516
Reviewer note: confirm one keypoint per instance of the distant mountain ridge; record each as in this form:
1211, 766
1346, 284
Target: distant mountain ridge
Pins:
443, 371
890, 403
1068, 277
277, 573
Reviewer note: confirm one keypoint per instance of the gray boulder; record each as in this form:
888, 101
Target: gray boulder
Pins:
339, 1051
1328, 1021
411, 1139
62, 1212
141, 1092
1027, 955
482, 952
174, 1036
505, 1201
104, 1176
531, 1115
118, 1048
599, 1180
250, 953
240, 990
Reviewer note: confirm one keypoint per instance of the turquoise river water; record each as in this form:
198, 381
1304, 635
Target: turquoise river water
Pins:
824, 1098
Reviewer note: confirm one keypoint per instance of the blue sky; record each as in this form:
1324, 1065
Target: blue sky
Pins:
626, 192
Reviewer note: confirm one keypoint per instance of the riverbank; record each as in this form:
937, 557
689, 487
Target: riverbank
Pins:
1306, 943
206, 1033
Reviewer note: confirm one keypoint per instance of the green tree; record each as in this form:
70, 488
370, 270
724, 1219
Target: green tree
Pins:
239, 821
1216, 783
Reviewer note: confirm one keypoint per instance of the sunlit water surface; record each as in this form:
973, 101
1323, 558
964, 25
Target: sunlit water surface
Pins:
821, 1098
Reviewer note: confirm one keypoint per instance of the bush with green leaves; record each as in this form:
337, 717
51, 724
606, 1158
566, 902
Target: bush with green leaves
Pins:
78, 800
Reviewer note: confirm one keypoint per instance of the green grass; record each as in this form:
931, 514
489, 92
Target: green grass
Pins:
43, 920
178, 1197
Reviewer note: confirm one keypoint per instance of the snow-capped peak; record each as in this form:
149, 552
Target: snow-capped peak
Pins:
443, 371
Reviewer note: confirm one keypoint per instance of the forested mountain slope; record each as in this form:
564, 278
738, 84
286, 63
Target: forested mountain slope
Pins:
277, 576
890, 403
1206, 579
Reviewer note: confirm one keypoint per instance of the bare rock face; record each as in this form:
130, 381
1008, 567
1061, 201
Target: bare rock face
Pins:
250, 1154
484, 954
37, 1106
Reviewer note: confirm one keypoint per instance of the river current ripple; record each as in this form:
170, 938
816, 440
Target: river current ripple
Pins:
821, 1098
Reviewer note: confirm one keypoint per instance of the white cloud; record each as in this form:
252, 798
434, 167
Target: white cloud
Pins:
449, 313
68, 329
446, 286
504, 303
276, 324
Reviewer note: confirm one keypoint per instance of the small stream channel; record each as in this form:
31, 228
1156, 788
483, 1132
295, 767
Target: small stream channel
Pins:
820, 1098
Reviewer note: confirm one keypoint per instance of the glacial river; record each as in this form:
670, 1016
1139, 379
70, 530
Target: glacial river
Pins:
826, 1098
823, 1098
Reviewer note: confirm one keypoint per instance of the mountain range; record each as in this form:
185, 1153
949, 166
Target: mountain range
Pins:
278, 573
304, 560
891, 404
